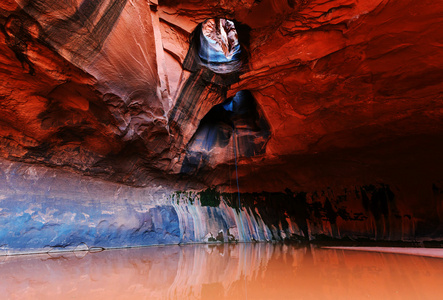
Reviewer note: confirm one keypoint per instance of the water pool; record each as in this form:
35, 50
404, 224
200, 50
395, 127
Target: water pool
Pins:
228, 271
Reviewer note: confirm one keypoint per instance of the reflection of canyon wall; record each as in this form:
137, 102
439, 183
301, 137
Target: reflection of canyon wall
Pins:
253, 271
148, 273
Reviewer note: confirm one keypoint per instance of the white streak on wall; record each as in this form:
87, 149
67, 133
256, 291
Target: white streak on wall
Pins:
200, 223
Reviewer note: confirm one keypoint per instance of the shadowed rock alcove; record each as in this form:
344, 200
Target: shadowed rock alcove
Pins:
237, 125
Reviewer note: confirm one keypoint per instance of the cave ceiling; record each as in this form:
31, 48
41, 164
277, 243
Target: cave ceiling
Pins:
323, 92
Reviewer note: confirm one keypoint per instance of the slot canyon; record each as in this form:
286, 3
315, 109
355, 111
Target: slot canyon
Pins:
165, 122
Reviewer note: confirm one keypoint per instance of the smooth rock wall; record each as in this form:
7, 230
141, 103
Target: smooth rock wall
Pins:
47, 209
44, 209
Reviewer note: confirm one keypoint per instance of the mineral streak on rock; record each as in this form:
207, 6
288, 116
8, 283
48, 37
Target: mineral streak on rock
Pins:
346, 98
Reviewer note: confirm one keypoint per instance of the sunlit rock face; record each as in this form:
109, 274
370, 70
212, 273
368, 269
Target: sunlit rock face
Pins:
219, 41
343, 102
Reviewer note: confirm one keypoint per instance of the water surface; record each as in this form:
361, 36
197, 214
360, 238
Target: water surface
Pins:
243, 271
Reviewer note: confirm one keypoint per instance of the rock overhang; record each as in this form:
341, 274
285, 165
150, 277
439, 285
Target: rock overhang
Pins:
332, 80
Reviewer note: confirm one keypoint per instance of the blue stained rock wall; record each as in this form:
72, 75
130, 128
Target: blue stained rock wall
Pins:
34, 222
45, 210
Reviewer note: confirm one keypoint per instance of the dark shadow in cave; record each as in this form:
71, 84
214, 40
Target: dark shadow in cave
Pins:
17, 38
239, 114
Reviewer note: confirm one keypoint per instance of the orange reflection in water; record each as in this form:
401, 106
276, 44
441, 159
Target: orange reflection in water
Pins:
218, 272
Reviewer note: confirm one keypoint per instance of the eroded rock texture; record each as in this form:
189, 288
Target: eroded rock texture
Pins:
340, 96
